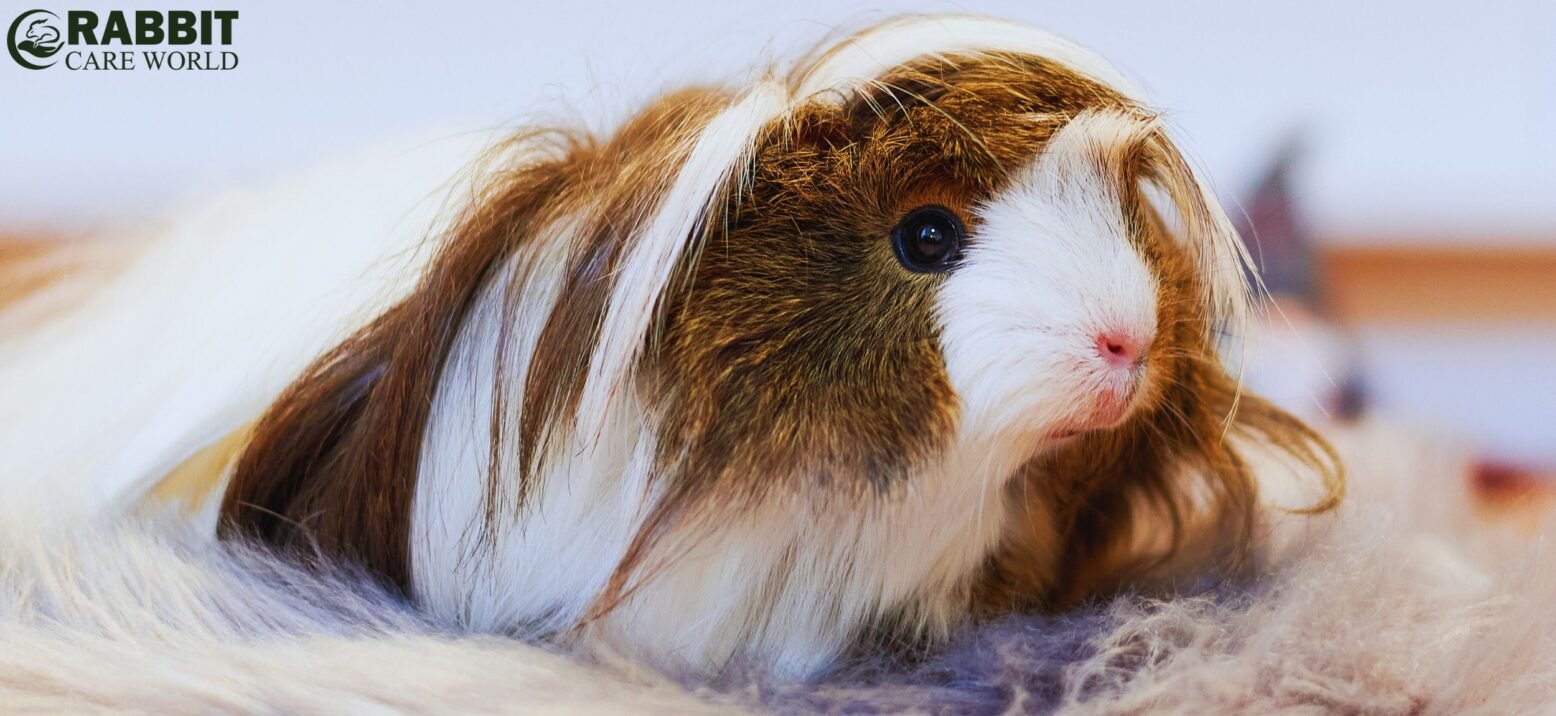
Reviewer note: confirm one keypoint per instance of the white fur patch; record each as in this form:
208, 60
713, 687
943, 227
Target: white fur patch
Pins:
155, 616
655, 254
789, 587
211, 320
1050, 266
863, 57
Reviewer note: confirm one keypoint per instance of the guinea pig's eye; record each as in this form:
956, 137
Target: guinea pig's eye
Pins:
928, 239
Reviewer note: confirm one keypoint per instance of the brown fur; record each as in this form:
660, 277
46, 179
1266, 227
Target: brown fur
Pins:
333, 461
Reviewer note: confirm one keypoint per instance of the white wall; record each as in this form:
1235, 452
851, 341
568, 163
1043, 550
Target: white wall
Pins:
1491, 386
1429, 114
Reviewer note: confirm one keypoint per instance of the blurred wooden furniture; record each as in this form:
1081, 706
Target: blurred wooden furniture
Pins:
1374, 279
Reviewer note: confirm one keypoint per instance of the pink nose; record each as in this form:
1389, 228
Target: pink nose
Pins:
1121, 349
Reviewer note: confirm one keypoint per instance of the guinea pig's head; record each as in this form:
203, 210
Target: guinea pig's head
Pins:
963, 256
990, 253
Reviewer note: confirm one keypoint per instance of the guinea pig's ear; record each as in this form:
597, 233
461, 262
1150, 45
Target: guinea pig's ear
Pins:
333, 461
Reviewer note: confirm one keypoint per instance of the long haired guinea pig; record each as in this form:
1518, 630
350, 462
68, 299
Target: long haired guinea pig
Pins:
924, 330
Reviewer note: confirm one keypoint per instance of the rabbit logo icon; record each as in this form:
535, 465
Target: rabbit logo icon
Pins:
35, 33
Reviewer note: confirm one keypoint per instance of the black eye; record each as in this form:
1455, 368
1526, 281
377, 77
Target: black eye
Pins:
928, 239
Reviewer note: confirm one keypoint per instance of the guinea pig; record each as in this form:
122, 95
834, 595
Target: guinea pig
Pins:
925, 330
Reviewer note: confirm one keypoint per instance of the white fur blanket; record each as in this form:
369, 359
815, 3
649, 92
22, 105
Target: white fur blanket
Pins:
1401, 604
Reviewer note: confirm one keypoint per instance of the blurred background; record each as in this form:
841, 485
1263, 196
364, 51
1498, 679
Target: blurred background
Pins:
1396, 159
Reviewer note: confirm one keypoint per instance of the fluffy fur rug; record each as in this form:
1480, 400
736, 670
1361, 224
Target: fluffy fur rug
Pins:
1405, 602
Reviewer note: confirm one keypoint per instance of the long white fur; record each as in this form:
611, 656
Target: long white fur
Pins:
149, 615
866, 55
211, 320
655, 253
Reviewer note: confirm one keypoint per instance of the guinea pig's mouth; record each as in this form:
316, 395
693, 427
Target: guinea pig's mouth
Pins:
1110, 406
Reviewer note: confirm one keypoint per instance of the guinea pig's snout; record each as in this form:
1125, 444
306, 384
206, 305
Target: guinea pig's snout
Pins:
1117, 370
1122, 350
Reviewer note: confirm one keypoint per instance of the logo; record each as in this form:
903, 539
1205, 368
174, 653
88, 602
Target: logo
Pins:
35, 33
118, 41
